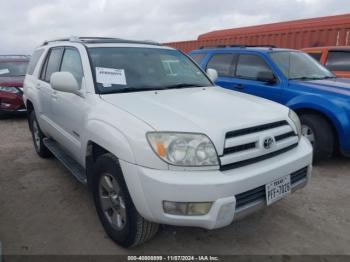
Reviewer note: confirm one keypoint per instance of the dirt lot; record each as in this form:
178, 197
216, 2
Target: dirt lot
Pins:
44, 210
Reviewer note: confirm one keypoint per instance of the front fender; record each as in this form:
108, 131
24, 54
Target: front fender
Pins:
332, 109
110, 138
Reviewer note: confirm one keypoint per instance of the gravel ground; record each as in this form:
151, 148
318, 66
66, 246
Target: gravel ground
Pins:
44, 210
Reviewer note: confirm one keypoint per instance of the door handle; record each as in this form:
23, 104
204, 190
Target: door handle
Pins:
38, 86
238, 86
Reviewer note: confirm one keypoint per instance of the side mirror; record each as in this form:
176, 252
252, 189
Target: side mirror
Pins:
64, 82
266, 76
213, 74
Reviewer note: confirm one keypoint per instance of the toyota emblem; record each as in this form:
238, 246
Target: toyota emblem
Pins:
268, 142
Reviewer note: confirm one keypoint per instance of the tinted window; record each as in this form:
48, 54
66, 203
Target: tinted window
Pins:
249, 66
338, 61
34, 60
13, 68
223, 63
198, 57
71, 62
316, 56
52, 64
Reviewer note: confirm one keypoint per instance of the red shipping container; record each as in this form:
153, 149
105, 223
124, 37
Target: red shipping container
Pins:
322, 31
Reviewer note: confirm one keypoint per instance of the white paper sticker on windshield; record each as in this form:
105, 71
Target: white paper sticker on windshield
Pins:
110, 76
4, 71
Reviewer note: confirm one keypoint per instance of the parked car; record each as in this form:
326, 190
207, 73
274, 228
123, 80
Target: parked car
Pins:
12, 71
291, 78
157, 145
335, 58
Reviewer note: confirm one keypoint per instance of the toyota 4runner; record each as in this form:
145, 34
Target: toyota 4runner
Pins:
144, 127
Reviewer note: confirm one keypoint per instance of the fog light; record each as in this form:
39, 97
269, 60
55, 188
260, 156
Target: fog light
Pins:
186, 209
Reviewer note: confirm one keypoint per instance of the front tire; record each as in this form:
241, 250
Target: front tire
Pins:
114, 206
38, 137
319, 132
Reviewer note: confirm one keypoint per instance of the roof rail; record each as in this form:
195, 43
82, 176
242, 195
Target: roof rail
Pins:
237, 45
93, 40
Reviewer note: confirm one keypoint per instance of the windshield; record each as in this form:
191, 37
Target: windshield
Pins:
299, 65
119, 69
13, 68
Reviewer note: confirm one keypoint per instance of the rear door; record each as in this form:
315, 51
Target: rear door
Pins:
338, 61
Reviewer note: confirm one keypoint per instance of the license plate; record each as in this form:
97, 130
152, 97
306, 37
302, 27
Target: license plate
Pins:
277, 189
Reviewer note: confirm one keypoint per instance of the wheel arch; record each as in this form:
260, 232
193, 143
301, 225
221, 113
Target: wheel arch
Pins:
30, 108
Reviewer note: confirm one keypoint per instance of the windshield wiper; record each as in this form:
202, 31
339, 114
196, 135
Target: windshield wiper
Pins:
328, 77
130, 90
306, 78
182, 85
140, 89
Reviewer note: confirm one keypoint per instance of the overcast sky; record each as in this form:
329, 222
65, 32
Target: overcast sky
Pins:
24, 24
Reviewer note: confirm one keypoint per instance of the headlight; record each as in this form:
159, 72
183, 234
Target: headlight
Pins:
9, 89
294, 117
183, 149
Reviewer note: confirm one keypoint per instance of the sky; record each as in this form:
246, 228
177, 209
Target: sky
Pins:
25, 24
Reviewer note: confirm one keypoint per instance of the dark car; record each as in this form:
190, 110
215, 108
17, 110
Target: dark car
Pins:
12, 71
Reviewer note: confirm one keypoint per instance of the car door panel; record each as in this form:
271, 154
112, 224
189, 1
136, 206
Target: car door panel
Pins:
244, 78
68, 110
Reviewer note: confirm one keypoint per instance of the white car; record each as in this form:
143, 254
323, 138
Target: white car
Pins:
159, 147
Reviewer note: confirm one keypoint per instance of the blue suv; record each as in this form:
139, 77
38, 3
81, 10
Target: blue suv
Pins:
292, 78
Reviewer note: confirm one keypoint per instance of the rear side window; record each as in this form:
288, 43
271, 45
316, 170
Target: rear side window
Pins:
338, 61
316, 56
198, 58
52, 64
34, 60
249, 66
71, 62
223, 64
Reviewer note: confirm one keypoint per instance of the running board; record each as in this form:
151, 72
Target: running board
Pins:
73, 166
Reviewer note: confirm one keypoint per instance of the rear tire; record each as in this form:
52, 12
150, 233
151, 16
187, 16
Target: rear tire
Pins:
114, 206
38, 137
319, 132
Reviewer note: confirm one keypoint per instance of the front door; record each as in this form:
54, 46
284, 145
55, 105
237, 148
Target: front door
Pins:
68, 110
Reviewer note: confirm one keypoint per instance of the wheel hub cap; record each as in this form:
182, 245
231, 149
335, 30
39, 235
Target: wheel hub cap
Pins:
112, 201
308, 133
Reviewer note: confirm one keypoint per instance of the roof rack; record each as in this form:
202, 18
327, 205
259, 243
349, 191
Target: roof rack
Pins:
95, 40
237, 45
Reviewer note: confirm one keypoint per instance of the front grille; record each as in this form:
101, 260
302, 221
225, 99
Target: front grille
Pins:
298, 176
259, 193
284, 136
255, 129
256, 159
246, 146
239, 148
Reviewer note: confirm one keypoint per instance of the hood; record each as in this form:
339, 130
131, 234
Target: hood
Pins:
339, 86
212, 111
16, 81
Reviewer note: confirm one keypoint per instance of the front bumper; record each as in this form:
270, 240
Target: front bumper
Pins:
149, 187
11, 103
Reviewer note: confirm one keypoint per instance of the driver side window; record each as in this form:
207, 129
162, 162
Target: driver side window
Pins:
71, 62
249, 67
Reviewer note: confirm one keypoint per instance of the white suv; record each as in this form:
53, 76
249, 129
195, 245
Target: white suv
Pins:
159, 146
